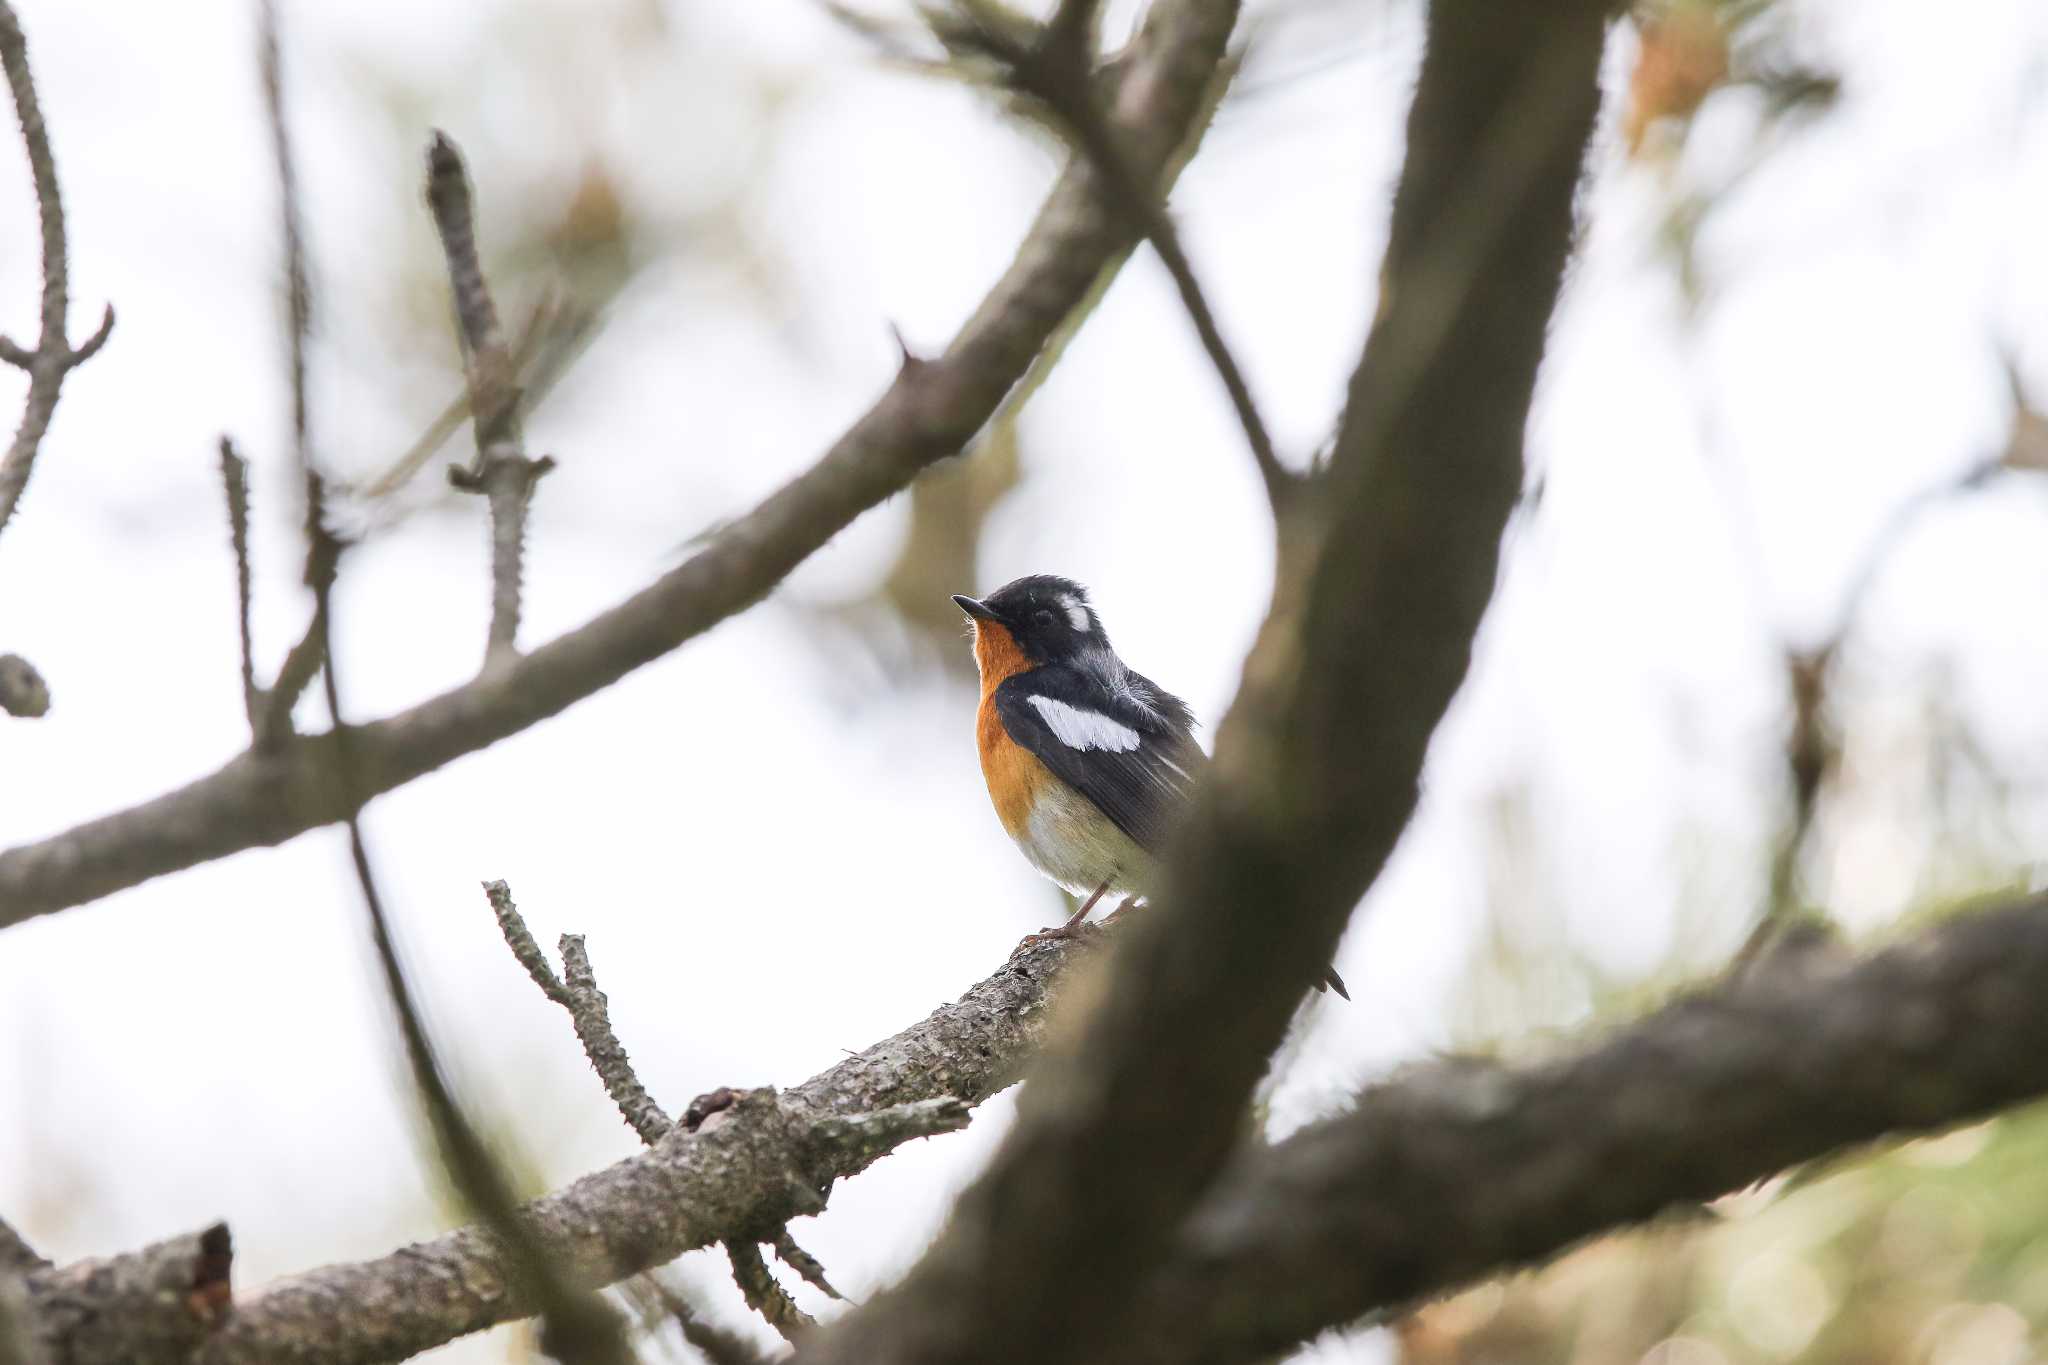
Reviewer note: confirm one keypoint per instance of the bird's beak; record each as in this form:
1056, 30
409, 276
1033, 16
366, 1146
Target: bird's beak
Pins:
977, 609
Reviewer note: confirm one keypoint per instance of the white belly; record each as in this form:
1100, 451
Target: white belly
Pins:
1079, 847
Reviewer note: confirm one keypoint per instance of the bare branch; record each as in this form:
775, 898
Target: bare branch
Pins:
930, 411
301, 665
53, 356
764, 1293
1464, 1168
759, 1161
1054, 65
23, 692
1318, 762
155, 1306
804, 1264
588, 1011
298, 291
234, 478
502, 473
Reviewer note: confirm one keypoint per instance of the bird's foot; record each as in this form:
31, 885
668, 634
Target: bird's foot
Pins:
1129, 903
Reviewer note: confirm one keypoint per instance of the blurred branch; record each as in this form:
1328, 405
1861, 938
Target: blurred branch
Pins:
1464, 1168
23, 692
16, 1255
804, 1264
744, 1171
502, 472
1318, 762
155, 1306
931, 410
53, 356
764, 1293
1053, 64
717, 1345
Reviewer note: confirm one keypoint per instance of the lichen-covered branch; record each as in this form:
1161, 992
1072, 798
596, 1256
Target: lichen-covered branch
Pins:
747, 1169
932, 410
588, 1010
149, 1307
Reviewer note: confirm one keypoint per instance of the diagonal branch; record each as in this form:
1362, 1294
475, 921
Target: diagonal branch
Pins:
53, 356
759, 1160
155, 1306
1465, 1168
1052, 65
931, 410
576, 991
1318, 762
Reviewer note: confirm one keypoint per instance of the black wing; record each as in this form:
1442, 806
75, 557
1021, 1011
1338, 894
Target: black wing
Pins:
1137, 763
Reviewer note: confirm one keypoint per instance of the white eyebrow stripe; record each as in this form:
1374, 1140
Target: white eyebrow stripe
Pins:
1079, 729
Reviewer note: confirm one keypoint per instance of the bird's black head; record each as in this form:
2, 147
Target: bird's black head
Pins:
1048, 616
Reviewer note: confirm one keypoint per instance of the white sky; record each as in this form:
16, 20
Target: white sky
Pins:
774, 857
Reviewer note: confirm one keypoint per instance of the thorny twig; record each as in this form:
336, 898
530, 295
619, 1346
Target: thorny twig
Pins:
576, 991
22, 691
661, 1301
1052, 63
502, 472
588, 1012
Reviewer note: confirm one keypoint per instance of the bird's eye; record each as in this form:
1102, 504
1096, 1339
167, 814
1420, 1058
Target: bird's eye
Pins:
1043, 617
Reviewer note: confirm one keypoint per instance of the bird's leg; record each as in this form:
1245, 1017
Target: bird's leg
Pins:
1072, 928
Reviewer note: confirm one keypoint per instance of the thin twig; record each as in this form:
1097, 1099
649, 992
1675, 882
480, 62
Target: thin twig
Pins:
53, 356
576, 991
1054, 65
765, 1294
502, 472
806, 1265
234, 478
716, 1344
588, 1011
298, 293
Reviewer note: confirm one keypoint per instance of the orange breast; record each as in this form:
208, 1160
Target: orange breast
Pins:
1014, 774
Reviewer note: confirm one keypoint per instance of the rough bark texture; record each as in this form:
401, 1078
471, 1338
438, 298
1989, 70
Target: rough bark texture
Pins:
744, 1172
932, 410
144, 1308
1462, 1168
1317, 765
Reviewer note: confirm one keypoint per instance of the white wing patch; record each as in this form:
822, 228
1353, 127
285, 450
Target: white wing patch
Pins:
1079, 729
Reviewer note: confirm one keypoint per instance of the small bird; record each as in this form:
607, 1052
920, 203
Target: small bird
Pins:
1089, 762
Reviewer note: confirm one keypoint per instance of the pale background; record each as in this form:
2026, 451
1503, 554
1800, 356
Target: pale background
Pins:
777, 845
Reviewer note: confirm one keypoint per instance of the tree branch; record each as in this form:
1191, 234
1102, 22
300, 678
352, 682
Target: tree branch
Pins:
745, 1171
764, 1293
588, 1012
1052, 64
149, 1307
1318, 762
53, 356
931, 410
1465, 1168
502, 473
16, 1255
